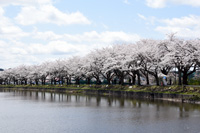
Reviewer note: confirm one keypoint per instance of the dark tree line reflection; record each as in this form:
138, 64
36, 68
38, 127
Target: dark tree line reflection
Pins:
154, 108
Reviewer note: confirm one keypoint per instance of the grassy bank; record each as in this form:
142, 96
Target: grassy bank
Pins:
183, 90
191, 90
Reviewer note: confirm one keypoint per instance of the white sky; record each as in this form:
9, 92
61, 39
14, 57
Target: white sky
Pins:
32, 31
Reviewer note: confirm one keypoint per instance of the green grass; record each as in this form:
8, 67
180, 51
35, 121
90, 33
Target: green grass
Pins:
175, 89
194, 81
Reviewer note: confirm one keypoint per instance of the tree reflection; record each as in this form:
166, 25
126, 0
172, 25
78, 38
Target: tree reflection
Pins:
110, 101
98, 100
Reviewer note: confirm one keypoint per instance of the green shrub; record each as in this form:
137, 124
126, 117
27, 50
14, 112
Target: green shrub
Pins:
194, 81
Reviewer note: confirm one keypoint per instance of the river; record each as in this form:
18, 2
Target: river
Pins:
45, 112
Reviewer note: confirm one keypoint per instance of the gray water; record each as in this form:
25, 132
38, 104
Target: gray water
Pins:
39, 112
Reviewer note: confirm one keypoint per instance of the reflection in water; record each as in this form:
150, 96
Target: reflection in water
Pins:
182, 108
87, 113
111, 100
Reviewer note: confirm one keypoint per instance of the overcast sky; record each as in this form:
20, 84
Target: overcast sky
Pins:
33, 31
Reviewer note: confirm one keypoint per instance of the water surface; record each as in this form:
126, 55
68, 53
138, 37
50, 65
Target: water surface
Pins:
31, 112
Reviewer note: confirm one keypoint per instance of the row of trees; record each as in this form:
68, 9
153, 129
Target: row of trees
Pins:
146, 58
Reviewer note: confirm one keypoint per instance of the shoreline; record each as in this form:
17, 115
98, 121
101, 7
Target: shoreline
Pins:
127, 93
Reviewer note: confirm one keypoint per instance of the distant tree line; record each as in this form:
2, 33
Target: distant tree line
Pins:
146, 59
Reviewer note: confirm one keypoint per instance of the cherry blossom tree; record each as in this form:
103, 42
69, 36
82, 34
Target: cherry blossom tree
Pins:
184, 54
75, 68
146, 58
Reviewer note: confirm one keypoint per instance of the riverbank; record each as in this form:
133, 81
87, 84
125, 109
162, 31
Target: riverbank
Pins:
190, 94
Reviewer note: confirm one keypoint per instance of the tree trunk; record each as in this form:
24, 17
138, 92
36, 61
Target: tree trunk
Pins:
36, 81
133, 79
138, 77
146, 74
109, 77
185, 82
115, 81
44, 81
109, 81
122, 79
59, 81
99, 81
147, 78
129, 81
88, 81
54, 81
51, 81
157, 80
77, 81
179, 77
170, 81
62, 80
67, 81
30, 82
